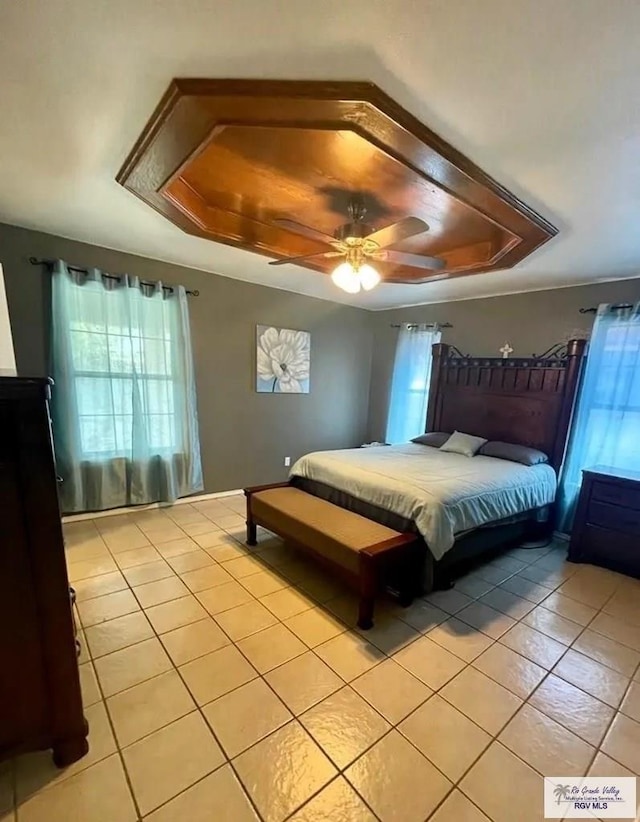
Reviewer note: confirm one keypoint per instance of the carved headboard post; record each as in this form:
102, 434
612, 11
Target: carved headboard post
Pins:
575, 358
439, 355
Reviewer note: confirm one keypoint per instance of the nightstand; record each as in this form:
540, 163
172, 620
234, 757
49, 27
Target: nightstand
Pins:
606, 530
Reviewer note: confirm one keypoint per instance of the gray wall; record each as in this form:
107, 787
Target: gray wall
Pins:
244, 435
531, 323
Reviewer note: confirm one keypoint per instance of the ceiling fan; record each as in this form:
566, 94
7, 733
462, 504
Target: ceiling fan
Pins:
359, 243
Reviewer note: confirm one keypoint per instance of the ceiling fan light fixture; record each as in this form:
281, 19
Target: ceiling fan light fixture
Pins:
369, 277
347, 278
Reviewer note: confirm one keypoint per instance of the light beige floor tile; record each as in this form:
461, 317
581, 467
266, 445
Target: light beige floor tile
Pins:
525, 588
631, 703
177, 547
110, 606
36, 771
500, 782
139, 556
245, 620
224, 597
202, 579
348, 655
89, 685
162, 590
345, 607
551, 624
217, 673
624, 606
445, 736
218, 797
461, 639
88, 568
170, 760
389, 634
145, 708
198, 527
214, 537
286, 603
545, 744
603, 765
397, 782
450, 601
125, 668
226, 548
118, 633
622, 742
242, 566
263, 583
125, 540
509, 669
422, 616
245, 716
429, 662
392, 690
75, 798
507, 603
194, 640
338, 802
314, 626
149, 572
508, 563
623, 632
481, 699
575, 709
277, 788
190, 562
622, 659
604, 683
593, 593
272, 647
473, 586
457, 808
303, 682
535, 646
488, 620
175, 614
490, 573
570, 608
344, 726
99, 586
319, 585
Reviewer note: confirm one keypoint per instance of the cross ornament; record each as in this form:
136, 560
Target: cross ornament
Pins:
506, 350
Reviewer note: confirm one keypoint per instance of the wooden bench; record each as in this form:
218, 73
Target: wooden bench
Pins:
362, 551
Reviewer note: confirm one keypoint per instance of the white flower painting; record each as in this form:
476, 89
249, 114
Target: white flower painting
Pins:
283, 360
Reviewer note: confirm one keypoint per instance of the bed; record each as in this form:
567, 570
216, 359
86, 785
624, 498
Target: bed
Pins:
462, 506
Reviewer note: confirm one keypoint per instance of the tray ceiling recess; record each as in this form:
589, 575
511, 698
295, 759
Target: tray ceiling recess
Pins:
239, 161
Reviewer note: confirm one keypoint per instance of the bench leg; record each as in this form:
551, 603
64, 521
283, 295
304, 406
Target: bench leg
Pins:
252, 531
368, 590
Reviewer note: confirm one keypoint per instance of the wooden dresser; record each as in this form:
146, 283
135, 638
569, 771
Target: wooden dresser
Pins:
40, 699
606, 529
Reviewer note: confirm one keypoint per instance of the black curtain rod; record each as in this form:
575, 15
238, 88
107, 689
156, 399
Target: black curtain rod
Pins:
619, 307
416, 325
36, 261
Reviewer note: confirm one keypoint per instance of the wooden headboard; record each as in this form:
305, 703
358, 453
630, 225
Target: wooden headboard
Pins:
528, 401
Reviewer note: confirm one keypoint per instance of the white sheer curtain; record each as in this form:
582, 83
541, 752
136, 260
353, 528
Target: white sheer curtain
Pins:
606, 425
410, 384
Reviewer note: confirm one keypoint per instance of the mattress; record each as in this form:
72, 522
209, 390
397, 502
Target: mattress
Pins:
443, 494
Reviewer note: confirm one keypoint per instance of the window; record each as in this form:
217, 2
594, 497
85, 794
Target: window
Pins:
410, 384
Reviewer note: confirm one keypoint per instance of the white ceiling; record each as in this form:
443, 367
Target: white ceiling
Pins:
543, 94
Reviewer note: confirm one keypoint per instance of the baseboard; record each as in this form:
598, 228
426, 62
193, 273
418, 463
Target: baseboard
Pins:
560, 535
114, 512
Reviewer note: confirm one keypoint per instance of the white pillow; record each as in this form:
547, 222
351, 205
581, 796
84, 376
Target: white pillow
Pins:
465, 444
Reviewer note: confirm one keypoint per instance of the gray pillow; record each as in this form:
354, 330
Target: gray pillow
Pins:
435, 439
465, 444
514, 453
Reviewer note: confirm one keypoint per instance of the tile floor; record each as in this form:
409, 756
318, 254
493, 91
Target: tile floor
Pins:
227, 683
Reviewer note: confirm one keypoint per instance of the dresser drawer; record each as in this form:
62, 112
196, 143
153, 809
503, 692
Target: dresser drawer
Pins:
614, 517
616, 494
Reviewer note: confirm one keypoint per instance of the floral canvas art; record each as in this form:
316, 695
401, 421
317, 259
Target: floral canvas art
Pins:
283, 360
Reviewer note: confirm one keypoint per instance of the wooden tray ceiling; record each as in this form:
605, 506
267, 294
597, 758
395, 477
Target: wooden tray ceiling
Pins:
223, 158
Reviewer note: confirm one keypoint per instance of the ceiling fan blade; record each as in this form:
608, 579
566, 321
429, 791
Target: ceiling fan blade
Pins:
305, 231
418, 280
413, 260
395, 233
292, 260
